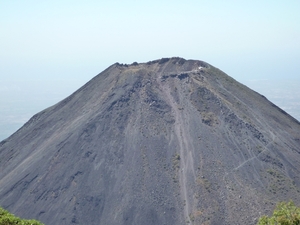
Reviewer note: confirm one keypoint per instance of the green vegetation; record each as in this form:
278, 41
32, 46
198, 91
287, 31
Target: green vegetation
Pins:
7, 218
284, 214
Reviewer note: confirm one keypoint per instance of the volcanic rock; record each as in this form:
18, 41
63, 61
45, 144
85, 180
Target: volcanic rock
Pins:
170, 141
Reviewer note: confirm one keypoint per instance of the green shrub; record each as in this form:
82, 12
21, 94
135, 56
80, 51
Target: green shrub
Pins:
284, 214
7, 218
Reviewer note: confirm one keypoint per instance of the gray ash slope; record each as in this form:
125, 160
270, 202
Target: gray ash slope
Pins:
171, 141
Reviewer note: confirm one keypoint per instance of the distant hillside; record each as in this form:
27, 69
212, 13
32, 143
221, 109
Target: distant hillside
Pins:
171, 141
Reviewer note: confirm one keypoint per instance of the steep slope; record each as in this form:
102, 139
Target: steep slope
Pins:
171, 141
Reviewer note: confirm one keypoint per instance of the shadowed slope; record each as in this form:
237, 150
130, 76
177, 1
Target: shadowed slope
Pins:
165, 142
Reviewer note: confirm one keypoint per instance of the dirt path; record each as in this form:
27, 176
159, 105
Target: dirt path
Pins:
186, 156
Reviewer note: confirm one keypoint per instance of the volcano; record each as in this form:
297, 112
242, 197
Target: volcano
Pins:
170, 141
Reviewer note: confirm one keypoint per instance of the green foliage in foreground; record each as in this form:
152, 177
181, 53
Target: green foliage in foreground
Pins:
7, 218
284, 214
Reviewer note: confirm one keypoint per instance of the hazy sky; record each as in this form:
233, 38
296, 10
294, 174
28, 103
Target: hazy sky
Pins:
50, 48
